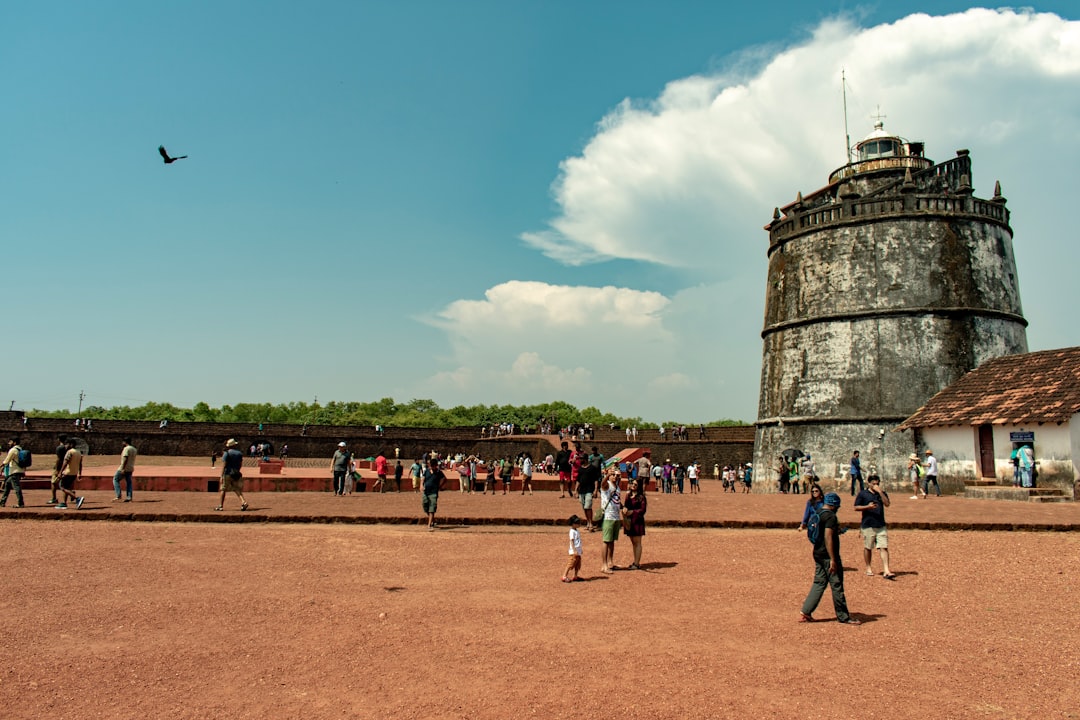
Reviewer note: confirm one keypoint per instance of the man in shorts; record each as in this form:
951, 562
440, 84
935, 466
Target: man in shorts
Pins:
70, 470
381, 469
610, 506
434, 481
231, 476
587, 478
872, 502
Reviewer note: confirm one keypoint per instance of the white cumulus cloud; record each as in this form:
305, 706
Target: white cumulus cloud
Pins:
688, 179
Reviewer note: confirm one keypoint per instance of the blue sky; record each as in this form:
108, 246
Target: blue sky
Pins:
475, 202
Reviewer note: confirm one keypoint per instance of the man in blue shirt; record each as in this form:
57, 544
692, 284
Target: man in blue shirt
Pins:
872, 502
855, 470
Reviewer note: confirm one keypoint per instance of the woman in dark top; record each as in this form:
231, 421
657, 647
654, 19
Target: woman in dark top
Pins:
633, 511
817, 496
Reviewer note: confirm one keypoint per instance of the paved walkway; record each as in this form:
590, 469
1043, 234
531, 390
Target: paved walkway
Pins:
712, 508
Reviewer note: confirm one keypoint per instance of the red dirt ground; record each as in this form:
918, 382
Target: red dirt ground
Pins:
299, 620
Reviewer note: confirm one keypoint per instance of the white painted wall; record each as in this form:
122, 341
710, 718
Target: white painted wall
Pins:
955, 448
1057, 451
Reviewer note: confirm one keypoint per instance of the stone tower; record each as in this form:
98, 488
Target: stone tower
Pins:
884, 286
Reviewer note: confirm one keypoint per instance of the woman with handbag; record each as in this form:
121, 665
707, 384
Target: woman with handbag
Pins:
633, 517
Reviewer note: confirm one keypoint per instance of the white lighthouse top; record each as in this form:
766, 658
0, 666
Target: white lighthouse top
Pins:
879, 144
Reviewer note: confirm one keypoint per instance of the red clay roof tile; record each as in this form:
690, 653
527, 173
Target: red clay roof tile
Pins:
1036, 387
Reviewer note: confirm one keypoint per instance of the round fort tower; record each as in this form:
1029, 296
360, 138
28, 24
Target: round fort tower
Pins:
884, 286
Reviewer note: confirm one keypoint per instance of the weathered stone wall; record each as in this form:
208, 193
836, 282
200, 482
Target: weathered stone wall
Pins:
721, 445
873, 305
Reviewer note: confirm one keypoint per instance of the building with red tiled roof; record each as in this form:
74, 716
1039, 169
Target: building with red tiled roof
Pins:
976, 423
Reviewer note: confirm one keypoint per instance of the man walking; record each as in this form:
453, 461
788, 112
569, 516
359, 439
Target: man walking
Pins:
872, 502
380, 471
828, 570
54, 480
931, 474
70, 470
855, 470
124, 472
14, 473
231, 476
340, 465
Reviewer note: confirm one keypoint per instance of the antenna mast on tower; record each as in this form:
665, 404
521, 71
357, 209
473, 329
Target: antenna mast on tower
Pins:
847, 136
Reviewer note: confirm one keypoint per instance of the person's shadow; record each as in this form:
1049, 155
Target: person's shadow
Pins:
658, 565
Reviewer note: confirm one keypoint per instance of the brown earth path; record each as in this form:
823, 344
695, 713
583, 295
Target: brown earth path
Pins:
314, 606
711, 508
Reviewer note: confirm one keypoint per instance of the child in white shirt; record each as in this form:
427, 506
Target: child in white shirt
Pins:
574, 564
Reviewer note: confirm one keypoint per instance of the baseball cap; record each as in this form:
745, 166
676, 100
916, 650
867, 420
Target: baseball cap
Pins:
341, 444
832, 499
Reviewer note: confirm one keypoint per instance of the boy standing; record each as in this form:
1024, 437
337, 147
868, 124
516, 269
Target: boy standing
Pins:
574, 564
434, 481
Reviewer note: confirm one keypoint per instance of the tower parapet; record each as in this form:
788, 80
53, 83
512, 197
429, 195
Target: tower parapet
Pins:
884, 286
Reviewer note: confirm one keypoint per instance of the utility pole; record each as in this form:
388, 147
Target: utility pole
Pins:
82, 395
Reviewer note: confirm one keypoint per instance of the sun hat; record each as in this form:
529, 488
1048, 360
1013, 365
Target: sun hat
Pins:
231, 443
929, 451
913, 456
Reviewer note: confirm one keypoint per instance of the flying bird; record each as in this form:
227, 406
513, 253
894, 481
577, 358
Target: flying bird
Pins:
165, 155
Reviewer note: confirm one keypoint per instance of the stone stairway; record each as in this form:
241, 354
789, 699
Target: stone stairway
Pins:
989, 490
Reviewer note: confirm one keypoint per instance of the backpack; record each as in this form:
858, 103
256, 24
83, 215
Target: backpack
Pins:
813, 526
25, 459
919, 470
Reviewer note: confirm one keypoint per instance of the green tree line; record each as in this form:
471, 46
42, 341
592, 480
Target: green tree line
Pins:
388, 412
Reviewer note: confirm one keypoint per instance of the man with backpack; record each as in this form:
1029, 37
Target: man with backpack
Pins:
824, 531
16, 462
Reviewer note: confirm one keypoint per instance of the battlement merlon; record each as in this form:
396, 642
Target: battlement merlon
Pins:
876, 192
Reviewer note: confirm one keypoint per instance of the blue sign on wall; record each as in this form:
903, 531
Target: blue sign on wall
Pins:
1022, 437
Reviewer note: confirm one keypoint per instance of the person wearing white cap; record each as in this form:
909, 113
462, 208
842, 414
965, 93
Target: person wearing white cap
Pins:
915, 471
231, 477
340, 466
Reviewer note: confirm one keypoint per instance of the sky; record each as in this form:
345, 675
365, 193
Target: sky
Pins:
477, 202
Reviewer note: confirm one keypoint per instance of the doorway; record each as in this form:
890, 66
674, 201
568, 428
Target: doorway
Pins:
987, 465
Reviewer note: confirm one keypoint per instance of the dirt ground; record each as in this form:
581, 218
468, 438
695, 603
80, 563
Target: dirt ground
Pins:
264, 620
